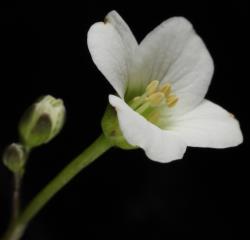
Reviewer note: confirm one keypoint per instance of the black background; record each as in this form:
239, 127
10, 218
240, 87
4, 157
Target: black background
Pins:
123, 195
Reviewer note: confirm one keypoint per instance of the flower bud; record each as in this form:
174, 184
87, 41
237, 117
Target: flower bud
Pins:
42, 121
14, 157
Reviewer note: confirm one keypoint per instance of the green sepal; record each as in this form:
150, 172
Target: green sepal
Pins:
112, 131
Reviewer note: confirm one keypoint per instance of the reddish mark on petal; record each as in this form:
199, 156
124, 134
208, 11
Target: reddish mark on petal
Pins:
231, 115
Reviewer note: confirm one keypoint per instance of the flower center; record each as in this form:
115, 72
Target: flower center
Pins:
154, 101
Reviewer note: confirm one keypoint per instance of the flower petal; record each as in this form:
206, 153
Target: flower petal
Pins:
159, 145
174, 53
124, 31
208, 125
111, 44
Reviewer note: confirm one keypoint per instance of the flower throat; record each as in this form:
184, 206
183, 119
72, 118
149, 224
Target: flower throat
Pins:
155, 98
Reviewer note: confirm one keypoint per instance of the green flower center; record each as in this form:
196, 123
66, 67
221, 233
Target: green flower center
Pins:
154, 101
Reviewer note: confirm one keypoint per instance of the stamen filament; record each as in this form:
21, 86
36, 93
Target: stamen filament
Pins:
154, 116
137, 102
143, 108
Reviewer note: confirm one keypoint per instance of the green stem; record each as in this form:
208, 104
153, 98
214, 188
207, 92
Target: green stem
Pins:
17, 229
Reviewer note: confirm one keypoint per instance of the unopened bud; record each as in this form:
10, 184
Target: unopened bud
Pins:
42, 121
14, 157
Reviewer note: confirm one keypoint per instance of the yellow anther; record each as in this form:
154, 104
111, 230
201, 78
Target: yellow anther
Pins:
156, 99
166, 89
152, 87
172, 100
153, 101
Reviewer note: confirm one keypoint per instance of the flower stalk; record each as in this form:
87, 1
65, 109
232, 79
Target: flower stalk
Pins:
95, 150
17, 180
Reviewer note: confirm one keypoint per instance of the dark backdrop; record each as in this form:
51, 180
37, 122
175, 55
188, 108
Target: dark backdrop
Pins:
123, 195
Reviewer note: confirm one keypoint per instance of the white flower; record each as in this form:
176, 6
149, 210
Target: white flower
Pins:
161, 85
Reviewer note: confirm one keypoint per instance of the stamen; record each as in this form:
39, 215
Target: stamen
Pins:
156, 99
152, 87
143, 107
153, 101
136, 98
166, 89
136, 102
172, 100
154, 117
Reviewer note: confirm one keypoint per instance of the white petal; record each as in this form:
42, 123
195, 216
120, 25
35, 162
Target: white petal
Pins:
124, 31
159, 145
111, 45
174, 53
208, 125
